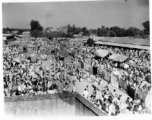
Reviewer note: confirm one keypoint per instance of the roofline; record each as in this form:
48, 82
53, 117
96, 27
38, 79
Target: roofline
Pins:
123, 45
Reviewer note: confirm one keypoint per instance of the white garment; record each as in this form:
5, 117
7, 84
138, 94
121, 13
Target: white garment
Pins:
19, 88
85, 93
110, 109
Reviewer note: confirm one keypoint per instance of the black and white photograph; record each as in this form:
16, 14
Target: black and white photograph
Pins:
76, 58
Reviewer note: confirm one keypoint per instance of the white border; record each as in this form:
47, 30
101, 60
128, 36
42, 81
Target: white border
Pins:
125, 117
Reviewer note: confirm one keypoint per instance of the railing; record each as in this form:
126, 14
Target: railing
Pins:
89, 105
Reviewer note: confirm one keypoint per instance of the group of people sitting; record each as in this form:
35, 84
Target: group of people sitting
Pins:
22, 76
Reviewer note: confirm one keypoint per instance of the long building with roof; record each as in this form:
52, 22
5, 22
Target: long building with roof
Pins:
123, 42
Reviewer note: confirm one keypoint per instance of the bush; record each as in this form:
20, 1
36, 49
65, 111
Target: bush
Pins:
90, 42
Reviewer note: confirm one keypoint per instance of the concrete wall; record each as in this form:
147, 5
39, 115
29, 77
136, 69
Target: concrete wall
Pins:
50, 105
65, 104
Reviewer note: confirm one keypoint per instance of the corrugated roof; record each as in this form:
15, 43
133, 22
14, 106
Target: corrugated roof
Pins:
124, 40
123, 45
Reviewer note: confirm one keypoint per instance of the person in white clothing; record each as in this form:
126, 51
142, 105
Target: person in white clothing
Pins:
110, 108
85, 93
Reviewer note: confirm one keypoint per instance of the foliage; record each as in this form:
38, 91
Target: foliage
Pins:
36, 25
146, 27
90, 42
36, 29
36, 33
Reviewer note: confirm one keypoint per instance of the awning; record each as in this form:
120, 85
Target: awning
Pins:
118, 57
101, 53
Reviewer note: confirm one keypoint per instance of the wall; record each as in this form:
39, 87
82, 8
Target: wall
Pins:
44, 105
61, 104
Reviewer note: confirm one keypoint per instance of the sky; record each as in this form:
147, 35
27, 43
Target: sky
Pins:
91, 14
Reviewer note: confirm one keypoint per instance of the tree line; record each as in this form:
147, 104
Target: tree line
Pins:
70, 30
10, 30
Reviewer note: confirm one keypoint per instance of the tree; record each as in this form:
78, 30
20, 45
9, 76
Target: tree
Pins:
36, 29
146, 27
20, 32
132, 32
103, 31
90, 42
36, 33
69, 31
49, 30
6, 30
116, 30
36, 25
63, 29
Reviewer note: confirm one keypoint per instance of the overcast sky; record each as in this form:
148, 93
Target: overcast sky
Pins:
122, 13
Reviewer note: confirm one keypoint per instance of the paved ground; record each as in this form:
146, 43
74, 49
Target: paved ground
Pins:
80, 86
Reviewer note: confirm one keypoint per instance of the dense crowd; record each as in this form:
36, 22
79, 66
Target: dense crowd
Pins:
26, 74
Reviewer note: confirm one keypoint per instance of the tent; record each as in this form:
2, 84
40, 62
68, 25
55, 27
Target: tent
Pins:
118, 57
101, 53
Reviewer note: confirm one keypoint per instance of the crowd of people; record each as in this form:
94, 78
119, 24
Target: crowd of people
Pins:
68, 62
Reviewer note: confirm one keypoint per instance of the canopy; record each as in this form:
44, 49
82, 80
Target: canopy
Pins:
118, 57
101, 53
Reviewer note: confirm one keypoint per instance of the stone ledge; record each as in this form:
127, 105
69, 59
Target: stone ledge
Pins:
38, 97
